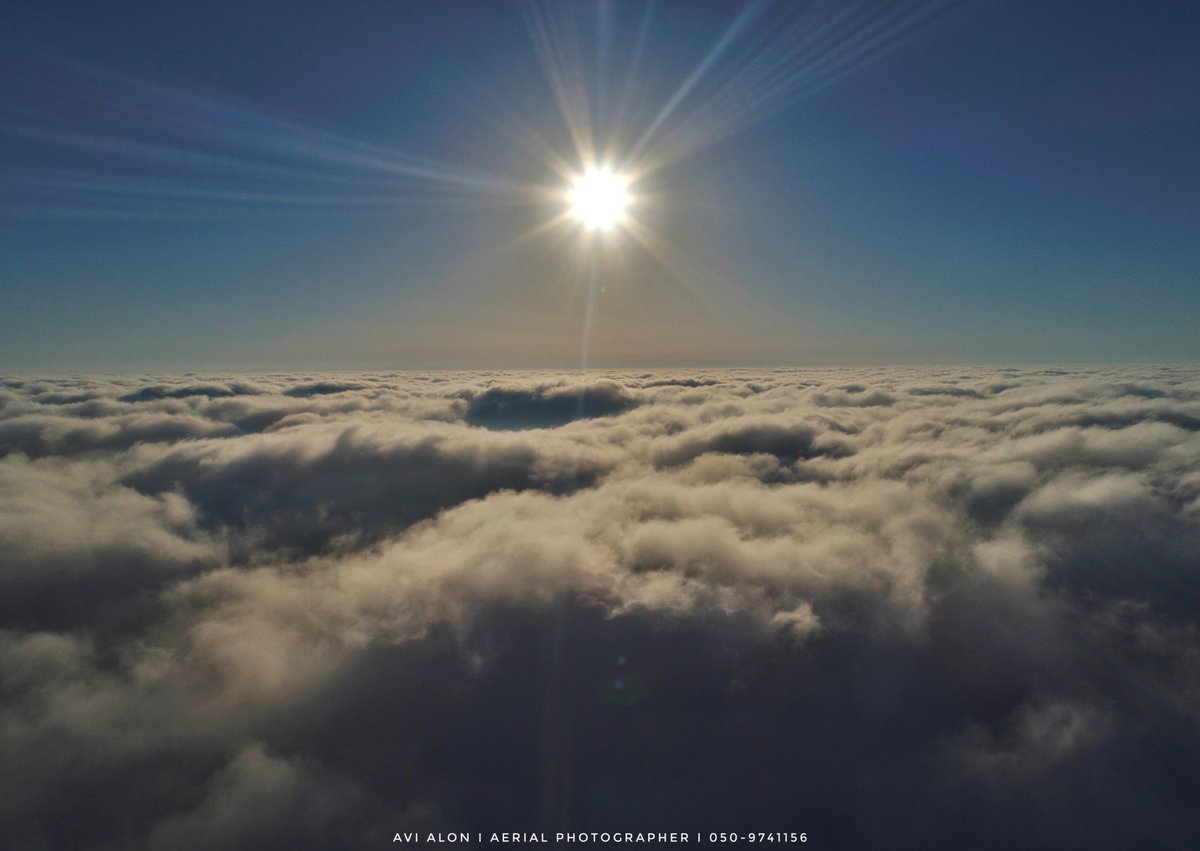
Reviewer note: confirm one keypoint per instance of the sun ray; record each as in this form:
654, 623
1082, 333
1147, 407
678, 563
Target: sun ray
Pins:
822, 45
740, 24
196, 145
631, 75
559, 53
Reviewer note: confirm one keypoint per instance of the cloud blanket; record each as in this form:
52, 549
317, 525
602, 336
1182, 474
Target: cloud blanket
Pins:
901, 607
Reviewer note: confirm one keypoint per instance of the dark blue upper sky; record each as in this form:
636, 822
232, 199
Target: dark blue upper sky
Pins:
203, 185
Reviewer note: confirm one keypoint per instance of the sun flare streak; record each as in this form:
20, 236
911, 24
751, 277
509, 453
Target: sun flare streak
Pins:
162, 149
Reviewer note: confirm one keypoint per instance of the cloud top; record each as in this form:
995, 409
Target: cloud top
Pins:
949, 607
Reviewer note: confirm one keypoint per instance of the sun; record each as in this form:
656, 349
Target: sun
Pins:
599, 198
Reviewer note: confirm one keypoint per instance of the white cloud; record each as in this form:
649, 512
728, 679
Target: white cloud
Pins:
359, 599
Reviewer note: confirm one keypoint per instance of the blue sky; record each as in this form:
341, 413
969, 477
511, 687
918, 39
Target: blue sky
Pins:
253, 185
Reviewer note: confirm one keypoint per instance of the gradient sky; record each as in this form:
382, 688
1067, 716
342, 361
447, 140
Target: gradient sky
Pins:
252, 185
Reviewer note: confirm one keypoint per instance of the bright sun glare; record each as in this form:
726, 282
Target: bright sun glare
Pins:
599, 198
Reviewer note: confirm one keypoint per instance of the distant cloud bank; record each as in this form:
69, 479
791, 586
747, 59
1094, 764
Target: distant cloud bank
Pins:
897, 607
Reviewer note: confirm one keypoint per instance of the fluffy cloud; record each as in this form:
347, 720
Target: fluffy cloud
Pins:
888, 607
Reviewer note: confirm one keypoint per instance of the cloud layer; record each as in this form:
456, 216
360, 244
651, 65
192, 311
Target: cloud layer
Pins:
895, 607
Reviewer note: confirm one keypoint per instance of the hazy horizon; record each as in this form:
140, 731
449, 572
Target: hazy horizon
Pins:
574, 371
